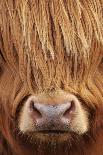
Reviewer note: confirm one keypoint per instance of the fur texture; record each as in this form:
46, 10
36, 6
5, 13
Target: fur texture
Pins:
50, 45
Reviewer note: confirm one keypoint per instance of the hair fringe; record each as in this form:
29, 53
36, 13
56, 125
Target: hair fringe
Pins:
52, 43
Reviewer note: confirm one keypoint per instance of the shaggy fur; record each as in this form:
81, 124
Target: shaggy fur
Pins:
48, 45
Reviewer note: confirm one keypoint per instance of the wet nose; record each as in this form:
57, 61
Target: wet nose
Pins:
52, 117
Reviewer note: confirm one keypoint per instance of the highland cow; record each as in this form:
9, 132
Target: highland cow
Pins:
51, 77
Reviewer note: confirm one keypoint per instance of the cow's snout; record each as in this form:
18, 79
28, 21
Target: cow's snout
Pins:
62, 112
52, 117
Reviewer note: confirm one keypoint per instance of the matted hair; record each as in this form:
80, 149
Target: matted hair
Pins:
50, 44
54, 44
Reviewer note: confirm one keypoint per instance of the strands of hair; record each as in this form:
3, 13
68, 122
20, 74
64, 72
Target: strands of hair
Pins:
60, 40
46, 45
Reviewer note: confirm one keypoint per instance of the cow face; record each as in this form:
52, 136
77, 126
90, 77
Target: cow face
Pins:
51, 79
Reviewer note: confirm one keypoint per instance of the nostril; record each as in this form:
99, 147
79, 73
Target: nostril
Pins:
35, 111
69, 110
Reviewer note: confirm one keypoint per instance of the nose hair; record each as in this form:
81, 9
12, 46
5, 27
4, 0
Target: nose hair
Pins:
52, 117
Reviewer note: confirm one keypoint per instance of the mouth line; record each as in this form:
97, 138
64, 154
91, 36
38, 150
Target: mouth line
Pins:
55, 132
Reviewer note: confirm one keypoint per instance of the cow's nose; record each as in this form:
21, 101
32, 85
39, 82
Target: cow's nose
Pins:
52, 117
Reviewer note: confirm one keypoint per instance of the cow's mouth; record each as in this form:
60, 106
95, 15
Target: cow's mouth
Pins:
53, 133
56, 132
50, 133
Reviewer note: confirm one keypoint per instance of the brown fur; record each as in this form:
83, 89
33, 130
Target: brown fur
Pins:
49, 45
